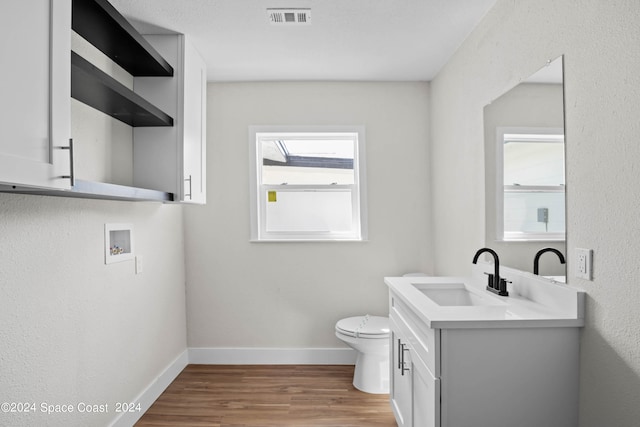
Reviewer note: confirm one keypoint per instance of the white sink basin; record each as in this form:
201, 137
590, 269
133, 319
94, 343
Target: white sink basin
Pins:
456, 295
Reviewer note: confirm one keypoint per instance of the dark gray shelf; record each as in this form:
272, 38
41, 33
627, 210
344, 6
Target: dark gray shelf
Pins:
98, 22
96, 190
97, 89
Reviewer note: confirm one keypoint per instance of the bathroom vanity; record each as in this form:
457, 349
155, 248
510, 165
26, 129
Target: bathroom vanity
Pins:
464, 357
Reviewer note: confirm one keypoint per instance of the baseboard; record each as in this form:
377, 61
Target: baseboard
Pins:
153, 391
272, 356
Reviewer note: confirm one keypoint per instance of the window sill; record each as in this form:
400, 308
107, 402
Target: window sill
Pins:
532, 239
308, 240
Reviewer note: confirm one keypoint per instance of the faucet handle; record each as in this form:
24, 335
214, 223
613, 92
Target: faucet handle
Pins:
503, 287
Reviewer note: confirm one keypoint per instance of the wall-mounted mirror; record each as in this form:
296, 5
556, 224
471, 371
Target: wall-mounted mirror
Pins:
525, 172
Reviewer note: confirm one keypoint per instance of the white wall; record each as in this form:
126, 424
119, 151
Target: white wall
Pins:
275, 295
74, 329
602, 86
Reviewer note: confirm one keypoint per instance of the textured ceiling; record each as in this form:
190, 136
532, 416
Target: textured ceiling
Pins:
374, 40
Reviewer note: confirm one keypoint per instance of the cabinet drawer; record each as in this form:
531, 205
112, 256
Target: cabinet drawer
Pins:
422, 339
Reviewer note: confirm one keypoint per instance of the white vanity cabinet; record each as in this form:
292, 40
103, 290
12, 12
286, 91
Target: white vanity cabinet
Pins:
34, 110
475, 374
173, 159
400, 389
414, 388
414, 392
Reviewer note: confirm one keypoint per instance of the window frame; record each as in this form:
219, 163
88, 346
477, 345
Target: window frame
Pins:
258, 191
525, 134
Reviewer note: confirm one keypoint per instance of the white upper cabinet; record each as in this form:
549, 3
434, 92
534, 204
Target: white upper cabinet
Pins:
194, 132
35, 87
165, 110
173, 159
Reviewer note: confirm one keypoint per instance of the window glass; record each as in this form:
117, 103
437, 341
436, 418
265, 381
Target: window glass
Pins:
307, 185
310, 211
307, 161
533, 213
533, 163
533, 191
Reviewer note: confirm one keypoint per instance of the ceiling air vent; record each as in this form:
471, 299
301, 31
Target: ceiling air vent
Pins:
289, 16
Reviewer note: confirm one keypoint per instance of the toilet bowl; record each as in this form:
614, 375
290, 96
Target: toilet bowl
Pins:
369, 337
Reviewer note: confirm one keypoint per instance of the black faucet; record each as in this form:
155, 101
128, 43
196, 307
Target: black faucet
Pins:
495, 284
540, 252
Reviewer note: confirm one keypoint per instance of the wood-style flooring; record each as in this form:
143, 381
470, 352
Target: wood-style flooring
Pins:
267, 396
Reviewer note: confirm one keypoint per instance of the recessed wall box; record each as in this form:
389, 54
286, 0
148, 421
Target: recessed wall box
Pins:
118, 243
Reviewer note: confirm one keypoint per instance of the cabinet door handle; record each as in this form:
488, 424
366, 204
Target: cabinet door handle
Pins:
190, 190
400, 355
403, 369
71, 176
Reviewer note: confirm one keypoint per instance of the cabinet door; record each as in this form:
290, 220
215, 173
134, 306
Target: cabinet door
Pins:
400, 384
35, 88
426, 395
157, 151
195, 118
173, 158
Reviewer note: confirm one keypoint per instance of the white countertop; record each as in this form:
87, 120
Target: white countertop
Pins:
532, 302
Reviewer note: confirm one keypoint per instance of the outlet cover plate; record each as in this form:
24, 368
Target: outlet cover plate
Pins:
138, 264
584, 258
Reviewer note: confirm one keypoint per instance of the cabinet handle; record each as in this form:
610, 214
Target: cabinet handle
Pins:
71, 176
190, 190
403, 369
400, 355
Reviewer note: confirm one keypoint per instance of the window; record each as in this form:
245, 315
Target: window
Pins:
531, 183
308, 183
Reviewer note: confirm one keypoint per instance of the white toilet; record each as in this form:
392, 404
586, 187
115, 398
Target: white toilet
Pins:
369, 336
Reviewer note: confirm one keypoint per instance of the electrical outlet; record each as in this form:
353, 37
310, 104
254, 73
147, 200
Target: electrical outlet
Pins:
583, 263
138, 264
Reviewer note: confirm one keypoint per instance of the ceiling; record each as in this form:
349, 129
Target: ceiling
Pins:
369, 40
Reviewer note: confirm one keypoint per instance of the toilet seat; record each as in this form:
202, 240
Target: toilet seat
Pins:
368, 327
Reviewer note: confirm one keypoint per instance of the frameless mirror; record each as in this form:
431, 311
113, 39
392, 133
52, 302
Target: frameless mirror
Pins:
525, 172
